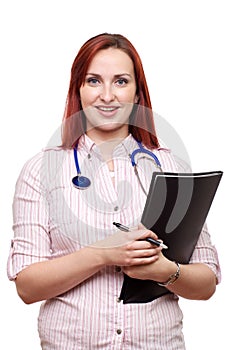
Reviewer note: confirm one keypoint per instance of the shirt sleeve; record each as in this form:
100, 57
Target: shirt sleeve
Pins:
206, 253
31, 242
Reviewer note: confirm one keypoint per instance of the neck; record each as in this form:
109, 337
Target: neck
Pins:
106, 143
99, 136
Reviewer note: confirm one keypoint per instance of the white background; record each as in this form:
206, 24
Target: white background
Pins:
186, 49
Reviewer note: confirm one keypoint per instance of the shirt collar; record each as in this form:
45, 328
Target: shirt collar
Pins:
163, 146
129, 144
86, 142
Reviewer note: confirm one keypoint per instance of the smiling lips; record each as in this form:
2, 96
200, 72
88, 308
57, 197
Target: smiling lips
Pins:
107, 110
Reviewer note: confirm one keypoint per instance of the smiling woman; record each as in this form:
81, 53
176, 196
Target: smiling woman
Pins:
66, 250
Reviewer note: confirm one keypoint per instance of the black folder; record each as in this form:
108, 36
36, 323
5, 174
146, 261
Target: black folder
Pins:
176, 209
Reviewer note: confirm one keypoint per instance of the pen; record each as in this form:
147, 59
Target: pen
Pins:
148, 239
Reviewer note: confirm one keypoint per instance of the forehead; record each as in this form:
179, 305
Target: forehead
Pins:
111, 59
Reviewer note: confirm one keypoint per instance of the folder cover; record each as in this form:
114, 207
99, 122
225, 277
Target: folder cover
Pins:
176, 209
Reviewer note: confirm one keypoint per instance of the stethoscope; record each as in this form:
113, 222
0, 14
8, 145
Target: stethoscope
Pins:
83, 182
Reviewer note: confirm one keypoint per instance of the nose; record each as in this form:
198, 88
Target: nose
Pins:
107, 94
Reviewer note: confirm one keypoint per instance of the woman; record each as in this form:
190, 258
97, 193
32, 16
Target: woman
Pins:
66, 250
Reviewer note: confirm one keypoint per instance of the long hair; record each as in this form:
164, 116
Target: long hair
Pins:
141, 122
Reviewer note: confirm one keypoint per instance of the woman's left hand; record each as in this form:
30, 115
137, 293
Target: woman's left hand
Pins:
158, 271
197, 281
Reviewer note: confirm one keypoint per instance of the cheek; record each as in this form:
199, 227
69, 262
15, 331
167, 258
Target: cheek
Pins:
129, 96
87, 96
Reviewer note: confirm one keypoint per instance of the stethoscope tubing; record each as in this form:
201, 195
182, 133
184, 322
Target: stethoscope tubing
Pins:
83, 182
141, 149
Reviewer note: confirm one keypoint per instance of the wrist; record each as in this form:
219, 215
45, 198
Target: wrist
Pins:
172, 277
97, 256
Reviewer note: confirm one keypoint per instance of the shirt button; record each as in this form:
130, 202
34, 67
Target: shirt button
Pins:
119, 331
118, 300
118, 269
116, 208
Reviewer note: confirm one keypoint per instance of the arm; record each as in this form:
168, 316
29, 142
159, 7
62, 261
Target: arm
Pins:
196, 281
47, 279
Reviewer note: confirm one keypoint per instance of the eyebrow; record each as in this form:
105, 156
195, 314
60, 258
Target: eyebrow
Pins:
115, 76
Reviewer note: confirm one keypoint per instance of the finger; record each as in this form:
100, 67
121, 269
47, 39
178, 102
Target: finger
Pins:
148, 233
144, 253
141, 226
136, 228
139, 235
143, 244
142, 261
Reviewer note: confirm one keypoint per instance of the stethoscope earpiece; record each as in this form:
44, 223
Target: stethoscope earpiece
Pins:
81, 182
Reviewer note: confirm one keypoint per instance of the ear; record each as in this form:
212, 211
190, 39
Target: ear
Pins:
136, 99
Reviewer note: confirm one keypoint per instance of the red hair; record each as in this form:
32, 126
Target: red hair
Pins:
141, 122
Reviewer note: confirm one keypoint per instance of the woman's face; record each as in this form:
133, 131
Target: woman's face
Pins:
108, 93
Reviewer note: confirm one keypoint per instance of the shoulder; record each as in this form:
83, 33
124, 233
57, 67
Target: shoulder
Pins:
171, 162
183, 166
178, 155
44, 164
43, 156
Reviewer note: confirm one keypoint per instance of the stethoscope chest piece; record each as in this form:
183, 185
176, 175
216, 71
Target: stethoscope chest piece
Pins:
81, 182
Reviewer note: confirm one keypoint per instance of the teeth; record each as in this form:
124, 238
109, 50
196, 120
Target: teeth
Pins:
107, 109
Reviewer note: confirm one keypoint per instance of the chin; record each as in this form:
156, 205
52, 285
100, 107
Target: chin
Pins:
112, 126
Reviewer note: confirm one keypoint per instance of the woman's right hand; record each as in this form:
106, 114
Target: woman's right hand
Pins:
128, 248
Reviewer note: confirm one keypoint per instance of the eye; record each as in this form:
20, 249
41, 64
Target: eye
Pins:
121, 81
92, 81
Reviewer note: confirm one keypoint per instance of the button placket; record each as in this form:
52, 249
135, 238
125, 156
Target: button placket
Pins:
119, 311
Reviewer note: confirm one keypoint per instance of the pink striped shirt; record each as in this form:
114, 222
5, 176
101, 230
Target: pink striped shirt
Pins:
52, 219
